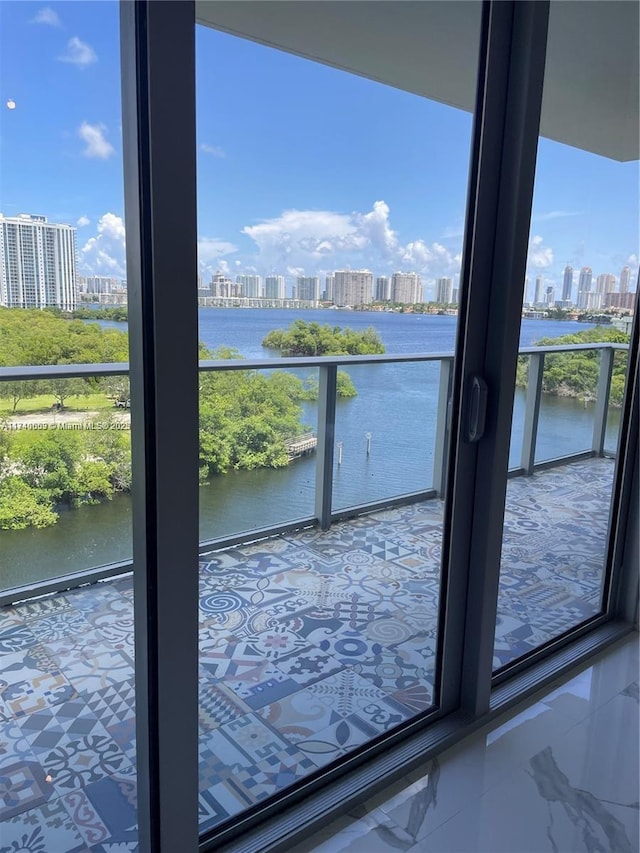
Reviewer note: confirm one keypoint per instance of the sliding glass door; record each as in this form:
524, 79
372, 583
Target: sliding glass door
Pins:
578, 299
331, 214
365, 488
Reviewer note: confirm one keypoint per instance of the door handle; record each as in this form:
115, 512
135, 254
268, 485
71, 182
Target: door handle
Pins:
476, 409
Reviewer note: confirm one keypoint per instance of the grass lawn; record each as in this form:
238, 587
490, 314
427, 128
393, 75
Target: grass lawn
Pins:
44, 402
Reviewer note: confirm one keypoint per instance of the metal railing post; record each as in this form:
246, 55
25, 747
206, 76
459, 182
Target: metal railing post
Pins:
326, 437
532, 412
443, 422
602, 401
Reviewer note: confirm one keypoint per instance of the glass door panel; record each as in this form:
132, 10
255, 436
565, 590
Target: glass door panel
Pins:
67, 680
582, 272
331, 215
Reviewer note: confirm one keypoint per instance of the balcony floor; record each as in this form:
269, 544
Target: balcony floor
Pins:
311, 644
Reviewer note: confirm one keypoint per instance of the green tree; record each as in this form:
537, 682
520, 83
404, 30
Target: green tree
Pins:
312, 339
23, 506
20, 390
575, 374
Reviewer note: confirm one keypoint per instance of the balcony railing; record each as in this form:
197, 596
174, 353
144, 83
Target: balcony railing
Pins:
324, 510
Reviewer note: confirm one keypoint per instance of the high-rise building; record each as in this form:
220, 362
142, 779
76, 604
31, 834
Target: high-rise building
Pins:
406, 288
619, 300
584, 287
353, 287
308, 288
550, 296
221, 285
274, 287
538, 296
444, 291
625, 279
329, 284
101, 284
605, 283
383, 288
567, 284
37, 263
250, 285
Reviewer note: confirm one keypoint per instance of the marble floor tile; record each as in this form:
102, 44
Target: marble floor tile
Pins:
537, 781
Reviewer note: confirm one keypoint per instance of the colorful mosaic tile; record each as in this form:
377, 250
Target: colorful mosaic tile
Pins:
311, 644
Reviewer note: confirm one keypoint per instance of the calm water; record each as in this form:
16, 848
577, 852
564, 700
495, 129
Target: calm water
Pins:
395, 403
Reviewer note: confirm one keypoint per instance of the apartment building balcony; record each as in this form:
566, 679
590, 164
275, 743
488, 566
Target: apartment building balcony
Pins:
312, 642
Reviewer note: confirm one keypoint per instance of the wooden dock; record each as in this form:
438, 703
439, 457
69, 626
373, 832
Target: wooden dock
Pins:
302, 445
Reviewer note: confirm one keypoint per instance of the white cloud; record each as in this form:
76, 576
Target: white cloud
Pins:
540, 256
214, 150
79, 53
211, 253
104, 254
632, 260
83, 221
313, 240
97, 145
47, 16
555, 214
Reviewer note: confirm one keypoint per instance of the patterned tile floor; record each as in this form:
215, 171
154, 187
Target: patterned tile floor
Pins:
310, 645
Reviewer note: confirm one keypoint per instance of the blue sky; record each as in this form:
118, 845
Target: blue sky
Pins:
301, 168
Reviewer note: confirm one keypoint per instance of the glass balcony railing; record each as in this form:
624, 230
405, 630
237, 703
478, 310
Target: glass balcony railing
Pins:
304, 441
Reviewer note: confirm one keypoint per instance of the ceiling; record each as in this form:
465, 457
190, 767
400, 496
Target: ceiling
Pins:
430, 48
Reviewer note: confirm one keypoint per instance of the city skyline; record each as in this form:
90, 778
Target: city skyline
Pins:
300, 200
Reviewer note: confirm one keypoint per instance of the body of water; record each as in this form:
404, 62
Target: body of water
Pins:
396, 403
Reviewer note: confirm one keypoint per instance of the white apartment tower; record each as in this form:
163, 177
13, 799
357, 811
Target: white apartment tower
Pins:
406, 288
605, 283
444, 291
567, 283
37, 263
352, 287
625, 279
274, 287
584, 287
308, 288
383, 288
538, 296
221, 285
329, 287
250, 285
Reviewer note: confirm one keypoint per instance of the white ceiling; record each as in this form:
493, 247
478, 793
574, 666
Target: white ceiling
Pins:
430, 48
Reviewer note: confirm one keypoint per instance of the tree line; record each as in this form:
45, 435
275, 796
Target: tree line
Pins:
247, 418
575, 374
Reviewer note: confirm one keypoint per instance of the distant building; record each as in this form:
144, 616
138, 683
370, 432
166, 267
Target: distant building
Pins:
590, 300
329, 283
37, 263
584, 287
222, 286
406, 288
605, 283
625, 279
619, 300
250, 285
274, 287
101, 284
538, 298
550, 297
444, 291
567, 284
308, 288
383, 289
353, 287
